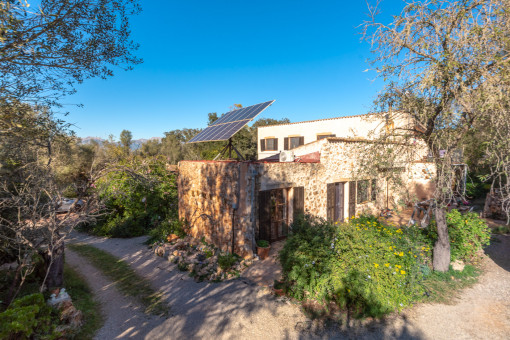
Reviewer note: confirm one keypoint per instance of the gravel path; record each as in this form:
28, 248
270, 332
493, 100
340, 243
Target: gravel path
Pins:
242, 310
122, 317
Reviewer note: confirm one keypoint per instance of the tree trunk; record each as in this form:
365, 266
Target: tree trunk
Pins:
55, 267
441, 256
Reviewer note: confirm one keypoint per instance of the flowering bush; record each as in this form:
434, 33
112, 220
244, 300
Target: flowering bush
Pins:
468, 234
364, 265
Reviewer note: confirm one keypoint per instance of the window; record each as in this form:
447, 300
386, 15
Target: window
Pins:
366, 191
319, 137
269, 144
290, 143
362, 189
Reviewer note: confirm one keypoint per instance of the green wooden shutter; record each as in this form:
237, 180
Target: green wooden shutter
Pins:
262, 145
286, 143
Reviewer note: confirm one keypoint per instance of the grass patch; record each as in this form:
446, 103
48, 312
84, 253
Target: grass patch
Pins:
83, 300
125, 278
502, 229
444, 287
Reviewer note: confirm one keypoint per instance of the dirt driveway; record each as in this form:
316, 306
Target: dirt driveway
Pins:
240, 309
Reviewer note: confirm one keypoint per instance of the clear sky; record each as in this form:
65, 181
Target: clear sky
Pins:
204, 56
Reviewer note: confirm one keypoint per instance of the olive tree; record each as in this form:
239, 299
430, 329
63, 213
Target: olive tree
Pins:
47, 48
446, 64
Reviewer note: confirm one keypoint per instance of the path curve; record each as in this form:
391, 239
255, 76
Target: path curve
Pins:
123, 318
240, 309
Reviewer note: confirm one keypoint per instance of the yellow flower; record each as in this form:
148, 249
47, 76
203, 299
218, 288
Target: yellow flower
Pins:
401, 254
376, 265
348, 290
402, 272
387, 264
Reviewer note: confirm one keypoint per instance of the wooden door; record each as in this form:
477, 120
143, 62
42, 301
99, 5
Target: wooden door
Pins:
264, 215
279, 220
273, 219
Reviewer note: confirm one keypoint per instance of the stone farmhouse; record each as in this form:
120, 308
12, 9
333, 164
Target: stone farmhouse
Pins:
302, 167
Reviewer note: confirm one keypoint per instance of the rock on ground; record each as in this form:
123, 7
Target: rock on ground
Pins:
239, 309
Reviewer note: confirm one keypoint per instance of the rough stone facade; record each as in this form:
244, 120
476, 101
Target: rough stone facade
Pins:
494, 206
209, 192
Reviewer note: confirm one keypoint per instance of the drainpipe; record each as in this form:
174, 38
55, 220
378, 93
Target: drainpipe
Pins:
234, 208
235, 205
253, 173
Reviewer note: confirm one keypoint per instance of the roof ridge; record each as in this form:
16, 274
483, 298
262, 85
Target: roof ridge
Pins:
318, 120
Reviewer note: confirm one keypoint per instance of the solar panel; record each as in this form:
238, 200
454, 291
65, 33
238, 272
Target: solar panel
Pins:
248, 112
230, 123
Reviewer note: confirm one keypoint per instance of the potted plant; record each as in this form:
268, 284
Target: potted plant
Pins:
279, 288
263, 249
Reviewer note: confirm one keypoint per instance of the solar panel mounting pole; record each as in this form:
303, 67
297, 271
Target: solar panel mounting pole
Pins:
229, 147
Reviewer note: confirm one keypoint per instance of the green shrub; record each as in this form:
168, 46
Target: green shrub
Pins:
502, 229
182, 266
475, 188
135, 206
167, 227
364, 265
226, 261
29, 318
208, 253
262, 244
468, 234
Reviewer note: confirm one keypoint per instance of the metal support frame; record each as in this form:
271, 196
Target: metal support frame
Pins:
228, 148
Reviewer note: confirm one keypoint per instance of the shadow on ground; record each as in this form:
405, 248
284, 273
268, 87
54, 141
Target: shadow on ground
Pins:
234, 309
499, 251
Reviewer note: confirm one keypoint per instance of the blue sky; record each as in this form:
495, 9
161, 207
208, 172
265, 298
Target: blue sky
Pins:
204, 56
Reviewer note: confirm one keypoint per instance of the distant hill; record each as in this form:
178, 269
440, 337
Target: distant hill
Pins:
135, 143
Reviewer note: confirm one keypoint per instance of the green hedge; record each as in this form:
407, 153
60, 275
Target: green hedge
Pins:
29, 318
468, 234
137, 204
364, 265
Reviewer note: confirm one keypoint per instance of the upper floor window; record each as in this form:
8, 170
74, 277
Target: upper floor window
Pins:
269, 144
325, 135
290, 143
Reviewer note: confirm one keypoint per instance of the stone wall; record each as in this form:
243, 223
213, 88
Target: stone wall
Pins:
494, 206
209, 192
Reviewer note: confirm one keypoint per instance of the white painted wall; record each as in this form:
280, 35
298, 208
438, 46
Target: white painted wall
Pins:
361, 126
